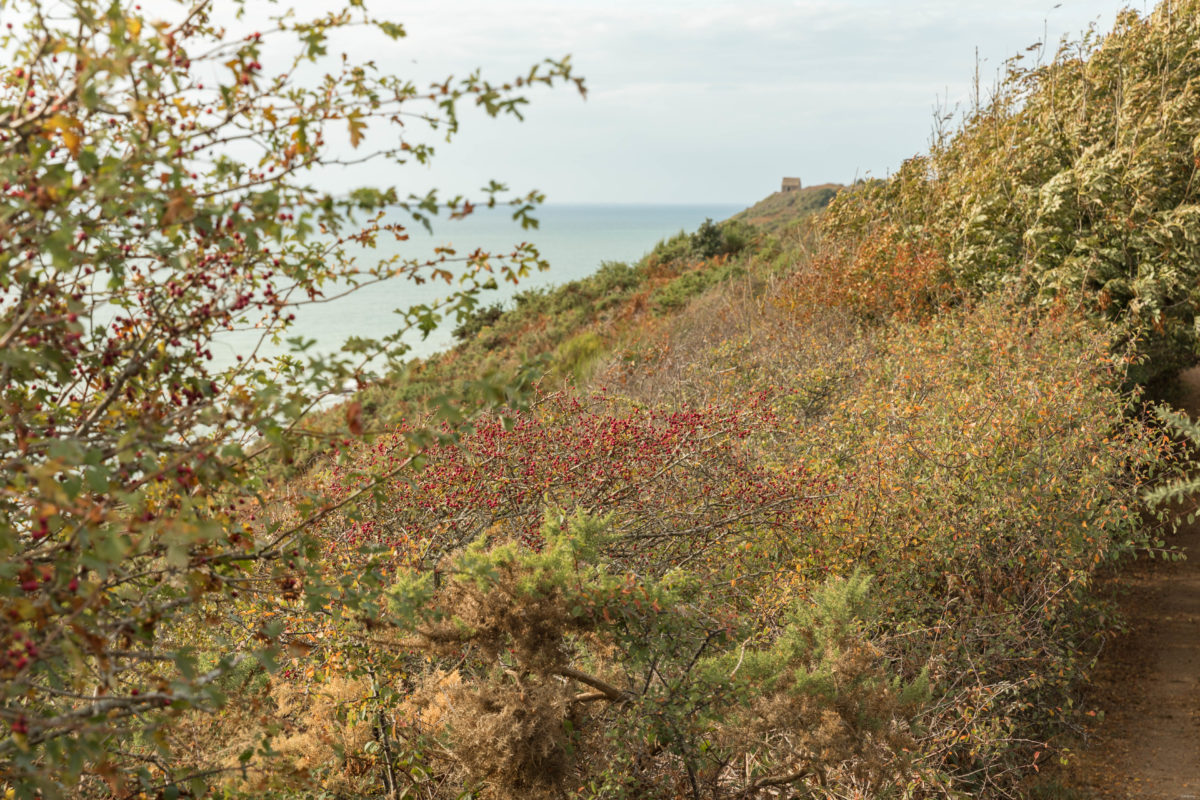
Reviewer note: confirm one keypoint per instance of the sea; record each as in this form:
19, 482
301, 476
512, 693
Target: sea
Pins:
574, 239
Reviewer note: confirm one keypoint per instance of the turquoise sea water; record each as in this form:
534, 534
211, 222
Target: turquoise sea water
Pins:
574, 239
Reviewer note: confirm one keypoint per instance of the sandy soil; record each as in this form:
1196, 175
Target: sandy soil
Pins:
1147, 745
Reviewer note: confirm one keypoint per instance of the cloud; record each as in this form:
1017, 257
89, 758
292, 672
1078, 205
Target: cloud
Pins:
822, 88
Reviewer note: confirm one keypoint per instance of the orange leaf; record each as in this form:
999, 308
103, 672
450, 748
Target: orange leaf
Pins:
354, 418
357, 127
179, 207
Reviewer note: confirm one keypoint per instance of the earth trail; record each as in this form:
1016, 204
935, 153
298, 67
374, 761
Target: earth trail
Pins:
1147, 684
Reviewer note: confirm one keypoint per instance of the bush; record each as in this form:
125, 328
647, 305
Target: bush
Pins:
1074, 183
681, 290
576, 355
707, 241
136, 470
616, 276
722, 239
876, 274
676, 248
478, 319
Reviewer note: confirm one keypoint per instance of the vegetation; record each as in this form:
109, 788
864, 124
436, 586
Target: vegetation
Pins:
1074, 185
786, 208
564, 330
160, 185
810, 512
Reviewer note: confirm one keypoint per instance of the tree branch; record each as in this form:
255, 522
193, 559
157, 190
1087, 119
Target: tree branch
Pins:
606, 689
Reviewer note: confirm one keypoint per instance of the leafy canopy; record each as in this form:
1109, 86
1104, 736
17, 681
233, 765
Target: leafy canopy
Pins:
163, 185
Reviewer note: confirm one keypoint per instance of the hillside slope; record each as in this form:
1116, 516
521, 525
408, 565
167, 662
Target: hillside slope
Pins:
738, 508
783, 208
816, 512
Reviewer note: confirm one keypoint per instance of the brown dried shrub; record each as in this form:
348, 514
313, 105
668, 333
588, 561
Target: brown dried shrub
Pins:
509, 737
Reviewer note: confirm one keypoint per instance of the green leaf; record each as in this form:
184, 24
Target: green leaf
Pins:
391, 29
97, 479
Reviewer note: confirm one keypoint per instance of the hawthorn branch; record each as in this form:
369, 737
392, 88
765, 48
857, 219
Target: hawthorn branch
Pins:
606, 689
777, 780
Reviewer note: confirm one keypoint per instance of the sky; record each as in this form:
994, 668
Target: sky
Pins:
696, 101
713, 101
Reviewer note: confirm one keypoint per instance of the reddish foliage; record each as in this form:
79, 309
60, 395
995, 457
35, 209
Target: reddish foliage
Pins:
880, 275
678, 482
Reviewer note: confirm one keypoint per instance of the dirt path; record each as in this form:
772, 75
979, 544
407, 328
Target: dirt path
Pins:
1148, 682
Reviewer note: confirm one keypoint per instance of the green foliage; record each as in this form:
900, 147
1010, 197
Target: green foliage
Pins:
711, 239
576, 355
783, 210
478, 319
676, 248
707, 241
1074, 183
676, 294
1184, 487
563, 629
137, 476
615, 277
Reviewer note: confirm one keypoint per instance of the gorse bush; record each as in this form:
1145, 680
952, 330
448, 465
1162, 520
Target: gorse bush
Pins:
477, 319
680, 291
538, 671
709, 240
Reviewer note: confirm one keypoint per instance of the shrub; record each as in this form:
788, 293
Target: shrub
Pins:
679, 291
876, 275
528, 671
720, 239
135, 469
478, 319
676, 248
576, 355
616, 276
707, 241
1075, 183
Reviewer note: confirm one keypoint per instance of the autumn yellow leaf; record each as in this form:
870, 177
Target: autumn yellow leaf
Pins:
68, 128
357, 127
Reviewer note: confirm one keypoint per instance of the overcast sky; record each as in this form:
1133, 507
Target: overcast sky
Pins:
713, 100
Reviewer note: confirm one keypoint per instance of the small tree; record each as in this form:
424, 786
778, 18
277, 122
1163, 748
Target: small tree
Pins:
162, 186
